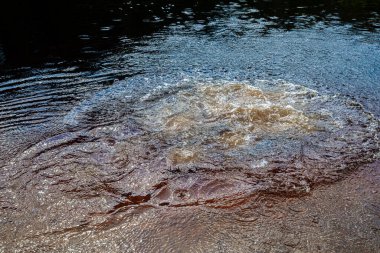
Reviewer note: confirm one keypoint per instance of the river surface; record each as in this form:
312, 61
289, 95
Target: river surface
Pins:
190, 126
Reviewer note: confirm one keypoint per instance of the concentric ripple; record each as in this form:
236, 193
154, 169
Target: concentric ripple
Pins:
209, 143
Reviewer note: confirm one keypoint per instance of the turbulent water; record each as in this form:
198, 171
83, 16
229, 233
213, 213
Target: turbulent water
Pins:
210, 143
219, 127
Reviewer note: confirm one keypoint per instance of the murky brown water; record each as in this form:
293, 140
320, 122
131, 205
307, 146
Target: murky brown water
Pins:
181, 163
162, 126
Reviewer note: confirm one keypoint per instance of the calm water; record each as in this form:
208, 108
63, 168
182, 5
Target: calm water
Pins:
173, 126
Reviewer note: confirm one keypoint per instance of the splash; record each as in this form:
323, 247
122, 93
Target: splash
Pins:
212, 144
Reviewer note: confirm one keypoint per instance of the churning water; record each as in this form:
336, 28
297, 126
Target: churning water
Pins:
214, 122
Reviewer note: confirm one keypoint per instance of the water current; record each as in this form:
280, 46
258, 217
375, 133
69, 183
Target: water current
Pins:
192, 127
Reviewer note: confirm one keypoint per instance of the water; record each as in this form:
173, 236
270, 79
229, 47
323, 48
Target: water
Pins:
189, 127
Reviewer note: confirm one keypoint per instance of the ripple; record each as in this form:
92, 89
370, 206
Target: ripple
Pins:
208, 143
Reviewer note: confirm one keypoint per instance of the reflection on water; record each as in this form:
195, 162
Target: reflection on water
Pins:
51, 32
137, 126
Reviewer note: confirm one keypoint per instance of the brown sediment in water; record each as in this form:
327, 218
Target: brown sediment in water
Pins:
340, 217
226, 149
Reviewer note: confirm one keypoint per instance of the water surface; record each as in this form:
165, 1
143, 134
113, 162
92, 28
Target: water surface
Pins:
159, 126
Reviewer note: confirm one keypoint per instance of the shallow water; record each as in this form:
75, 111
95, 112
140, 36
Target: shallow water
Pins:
210, 123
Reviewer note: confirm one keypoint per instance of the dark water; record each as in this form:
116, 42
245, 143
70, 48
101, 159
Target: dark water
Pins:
141, 126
